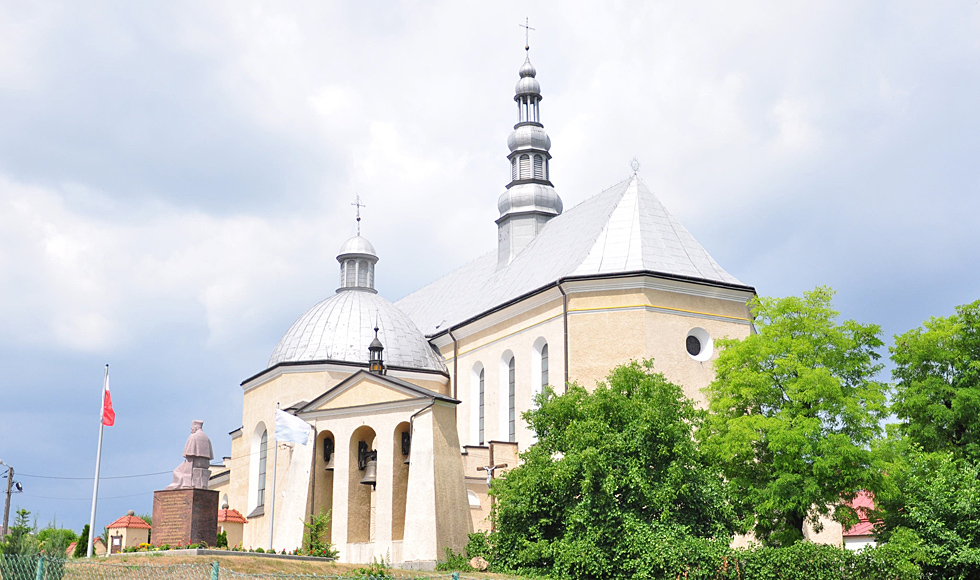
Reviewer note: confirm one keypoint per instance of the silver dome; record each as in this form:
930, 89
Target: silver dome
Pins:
528, 136
357, 245
527, 69
528, 86
529, 197
341, 328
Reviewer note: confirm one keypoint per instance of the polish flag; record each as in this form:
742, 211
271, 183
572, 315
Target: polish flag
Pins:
108, 415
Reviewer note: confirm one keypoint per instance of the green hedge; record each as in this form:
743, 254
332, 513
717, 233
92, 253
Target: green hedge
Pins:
673, 557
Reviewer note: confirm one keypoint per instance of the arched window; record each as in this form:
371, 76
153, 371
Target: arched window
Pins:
525, 166
546, 169
362, 273
351, 274
538, 167
257, 469
483, 408
544, 365
506, 398
511, 402
263, 459
513, 168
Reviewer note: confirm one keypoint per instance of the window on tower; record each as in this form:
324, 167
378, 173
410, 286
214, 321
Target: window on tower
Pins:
538, 167
351, 274
525, 166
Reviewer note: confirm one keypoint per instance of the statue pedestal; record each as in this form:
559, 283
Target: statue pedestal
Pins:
185, 516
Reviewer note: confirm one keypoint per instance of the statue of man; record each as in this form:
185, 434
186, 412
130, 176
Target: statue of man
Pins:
193, 473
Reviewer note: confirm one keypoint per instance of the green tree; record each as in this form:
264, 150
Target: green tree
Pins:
933, 500
81, 547
793, 411
55, 540
937, 376
612, 471
22, 536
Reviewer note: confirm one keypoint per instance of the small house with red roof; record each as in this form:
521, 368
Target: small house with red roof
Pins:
232, 523
127, 532
98, 548
861, 534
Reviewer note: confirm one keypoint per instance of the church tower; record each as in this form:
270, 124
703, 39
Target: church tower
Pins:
530, 200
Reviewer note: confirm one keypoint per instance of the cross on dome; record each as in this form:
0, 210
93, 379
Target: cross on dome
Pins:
527, 32
359, 205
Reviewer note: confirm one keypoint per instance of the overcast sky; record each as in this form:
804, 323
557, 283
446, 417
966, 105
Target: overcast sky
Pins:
175, 181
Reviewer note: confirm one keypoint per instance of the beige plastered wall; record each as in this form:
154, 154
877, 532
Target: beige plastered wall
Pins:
435, 496
605, 329
233, 530
609, 328
259, 405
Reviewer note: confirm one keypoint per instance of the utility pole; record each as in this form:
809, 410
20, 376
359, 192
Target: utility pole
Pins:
6, 502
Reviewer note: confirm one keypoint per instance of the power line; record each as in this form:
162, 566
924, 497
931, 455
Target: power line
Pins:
84, 498
91, 478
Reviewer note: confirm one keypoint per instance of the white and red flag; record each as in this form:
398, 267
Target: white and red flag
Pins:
108, 415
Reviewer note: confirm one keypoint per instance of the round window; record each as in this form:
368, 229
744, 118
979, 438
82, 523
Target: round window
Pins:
693, 345
699, 344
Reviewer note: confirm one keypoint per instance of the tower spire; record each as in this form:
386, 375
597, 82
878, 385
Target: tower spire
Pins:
530, 200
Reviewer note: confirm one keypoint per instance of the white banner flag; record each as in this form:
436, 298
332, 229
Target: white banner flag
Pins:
291, 428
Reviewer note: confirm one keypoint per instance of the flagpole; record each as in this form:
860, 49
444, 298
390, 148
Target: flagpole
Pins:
98, 465
272, 504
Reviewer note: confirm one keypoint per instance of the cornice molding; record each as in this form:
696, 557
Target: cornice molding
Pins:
641, 282
332, 366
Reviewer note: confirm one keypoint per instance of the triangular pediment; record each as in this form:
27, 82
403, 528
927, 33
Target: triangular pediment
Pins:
366, 388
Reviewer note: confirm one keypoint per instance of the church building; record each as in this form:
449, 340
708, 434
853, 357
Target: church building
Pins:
416, 405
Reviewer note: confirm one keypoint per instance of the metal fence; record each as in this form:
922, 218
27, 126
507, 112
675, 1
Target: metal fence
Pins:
45, 568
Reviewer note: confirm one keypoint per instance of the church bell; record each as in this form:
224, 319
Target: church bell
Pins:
371, 473
367, 461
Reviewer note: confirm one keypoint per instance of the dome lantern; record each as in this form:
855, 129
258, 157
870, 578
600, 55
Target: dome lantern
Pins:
357, 259
375, 358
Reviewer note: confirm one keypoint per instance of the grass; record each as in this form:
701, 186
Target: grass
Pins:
260, 565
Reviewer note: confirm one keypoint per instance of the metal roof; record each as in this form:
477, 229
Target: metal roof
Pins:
342, 327
623, 229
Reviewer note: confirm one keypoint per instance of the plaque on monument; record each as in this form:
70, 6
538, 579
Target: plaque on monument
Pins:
186, 512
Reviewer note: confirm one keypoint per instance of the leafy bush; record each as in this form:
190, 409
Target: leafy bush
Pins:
455, 562
613, 472
316, 529
377, 570
222, 541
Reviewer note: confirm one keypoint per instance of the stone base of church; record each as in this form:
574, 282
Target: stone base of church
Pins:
184, 517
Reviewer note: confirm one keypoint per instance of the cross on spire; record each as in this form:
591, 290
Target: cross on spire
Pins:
357, 203
527, 32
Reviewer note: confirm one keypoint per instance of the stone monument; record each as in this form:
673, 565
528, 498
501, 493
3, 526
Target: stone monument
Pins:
186, 512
